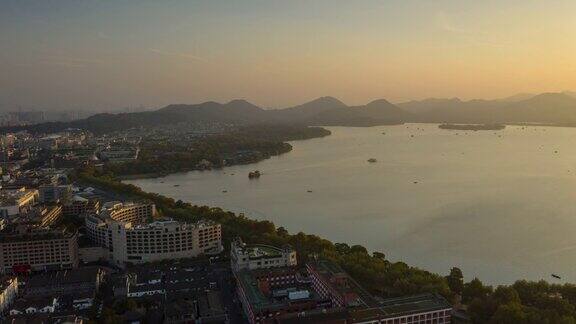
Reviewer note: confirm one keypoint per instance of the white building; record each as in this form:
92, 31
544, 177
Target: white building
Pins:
260, 256
159, 240
41, 305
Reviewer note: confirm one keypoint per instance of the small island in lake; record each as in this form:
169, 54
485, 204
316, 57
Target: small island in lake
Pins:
472, 127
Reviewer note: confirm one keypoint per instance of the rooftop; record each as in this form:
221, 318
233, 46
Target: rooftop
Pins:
65, 277
258, 300
336, 277
401, 306
256, 251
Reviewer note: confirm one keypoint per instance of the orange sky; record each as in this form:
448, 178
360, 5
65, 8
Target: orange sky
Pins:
279, 53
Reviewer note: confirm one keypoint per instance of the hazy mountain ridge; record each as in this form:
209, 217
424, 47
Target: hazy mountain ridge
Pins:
377, 112
546, 108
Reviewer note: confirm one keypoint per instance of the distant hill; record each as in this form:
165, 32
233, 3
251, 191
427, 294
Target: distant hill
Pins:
235, 111
308, 111
451, 110
546, 108
377, 112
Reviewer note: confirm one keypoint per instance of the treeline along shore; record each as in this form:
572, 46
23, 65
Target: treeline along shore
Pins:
245, 145
522, 302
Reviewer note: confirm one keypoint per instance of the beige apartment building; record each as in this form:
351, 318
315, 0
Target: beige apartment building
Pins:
129, 212
158, 240
38, 250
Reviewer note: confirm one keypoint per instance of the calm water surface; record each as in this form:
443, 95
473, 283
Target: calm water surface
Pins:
500, 205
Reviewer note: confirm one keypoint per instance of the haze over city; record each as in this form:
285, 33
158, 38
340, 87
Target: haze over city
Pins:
101, 55
287, 161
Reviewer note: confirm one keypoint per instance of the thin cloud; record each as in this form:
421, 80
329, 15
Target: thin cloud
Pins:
445, 22
71, 62
182, 55
63, 61
103, 35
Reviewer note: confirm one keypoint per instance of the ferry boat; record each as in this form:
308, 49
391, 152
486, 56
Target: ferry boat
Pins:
254, 174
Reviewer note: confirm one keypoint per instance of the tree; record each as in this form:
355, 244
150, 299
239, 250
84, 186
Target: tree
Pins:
456, 280
378, 255
475, 289
358, 249
509, 314
505, 295
342, 248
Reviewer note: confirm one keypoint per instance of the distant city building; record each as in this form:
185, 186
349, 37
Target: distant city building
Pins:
119, 153
14, 202
54, 193
8, 292
41, 215
38, 250
79, 206
259, 256
50, 142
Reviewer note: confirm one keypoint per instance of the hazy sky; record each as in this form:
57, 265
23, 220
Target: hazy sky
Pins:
82, 53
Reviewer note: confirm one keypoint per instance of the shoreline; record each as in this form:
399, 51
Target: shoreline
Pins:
186, 170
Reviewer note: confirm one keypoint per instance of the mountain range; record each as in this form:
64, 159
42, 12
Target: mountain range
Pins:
545, 108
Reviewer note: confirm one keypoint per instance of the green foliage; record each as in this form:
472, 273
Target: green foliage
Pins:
456, 280
372, 271
245, 145
523, 302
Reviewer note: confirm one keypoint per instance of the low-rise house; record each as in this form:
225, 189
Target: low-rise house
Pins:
34, 305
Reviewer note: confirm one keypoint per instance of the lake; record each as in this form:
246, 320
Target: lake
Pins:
498, 204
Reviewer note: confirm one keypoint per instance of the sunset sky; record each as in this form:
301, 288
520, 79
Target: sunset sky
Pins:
101, 54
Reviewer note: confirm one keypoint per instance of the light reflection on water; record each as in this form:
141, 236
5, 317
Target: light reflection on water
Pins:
500, 205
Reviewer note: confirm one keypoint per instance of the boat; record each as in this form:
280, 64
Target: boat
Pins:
372, 160
556, 276
176, 185
224, 191
308, 190
254, 174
